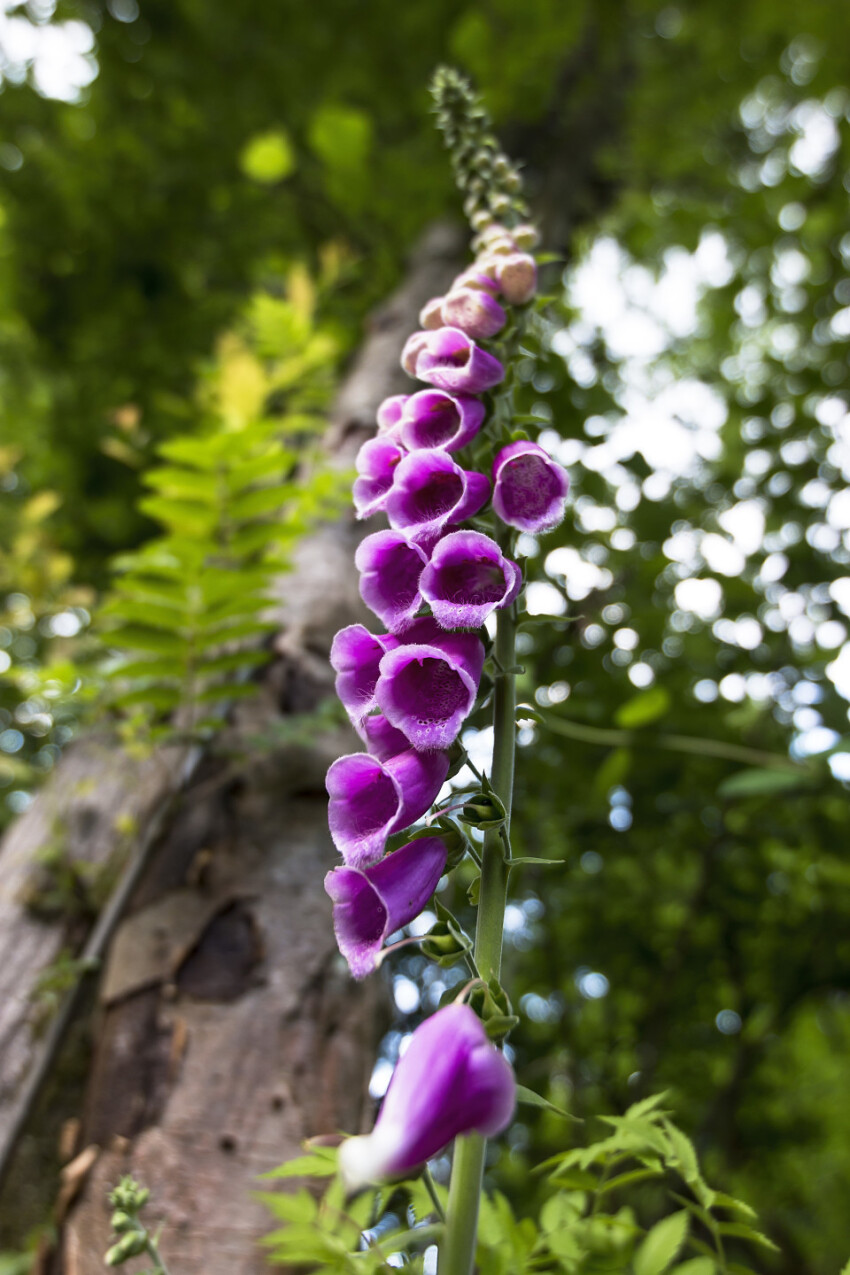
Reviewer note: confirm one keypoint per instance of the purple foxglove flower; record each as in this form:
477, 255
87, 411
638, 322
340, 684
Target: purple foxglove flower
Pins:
427, 687
433, 418
390, 567
371, 903
431, 314
451, 1080
412, 346
467, 578
376, 463
381, 738
474, 312
429, 491
450, 360
517, 275
355, 656
530, 489
389, 415
371, 799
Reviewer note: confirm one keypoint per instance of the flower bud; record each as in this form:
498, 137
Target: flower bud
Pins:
474, 312
431, 314
121, 1222
130, 1245
485, 811
481, 220
526, 236
517, 275
473, 278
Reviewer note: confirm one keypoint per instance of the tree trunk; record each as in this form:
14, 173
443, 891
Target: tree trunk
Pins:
228, 1028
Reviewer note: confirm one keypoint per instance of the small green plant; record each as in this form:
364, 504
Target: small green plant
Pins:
597, 1204
187, 617
130, 1234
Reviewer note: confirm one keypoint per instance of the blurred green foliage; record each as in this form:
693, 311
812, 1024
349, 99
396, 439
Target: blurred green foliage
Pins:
696, 936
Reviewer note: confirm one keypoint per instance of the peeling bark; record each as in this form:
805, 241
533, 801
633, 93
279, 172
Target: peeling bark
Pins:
228, 1028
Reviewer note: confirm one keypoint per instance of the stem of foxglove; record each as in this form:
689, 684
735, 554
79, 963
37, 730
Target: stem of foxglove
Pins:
458, 1252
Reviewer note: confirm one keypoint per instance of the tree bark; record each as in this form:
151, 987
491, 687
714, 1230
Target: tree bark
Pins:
228, 1028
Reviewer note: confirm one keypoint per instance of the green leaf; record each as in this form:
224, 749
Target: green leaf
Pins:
661, 1245
742, 1232
530, 858
268, 157
722, 1201
696, 1266
321, 1164
643, 708
298, 1206
760, 783
531, 1099
140, 639
628, 1179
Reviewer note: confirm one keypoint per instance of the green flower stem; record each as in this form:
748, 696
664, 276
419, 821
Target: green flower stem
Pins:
458, 1252
153, 1252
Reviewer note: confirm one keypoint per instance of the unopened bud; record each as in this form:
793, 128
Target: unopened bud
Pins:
481, 220
482, 162
476, 279
501, 247
130, 1245
517, 275
431, 316
484, 811
121, 1222
475, 312
500, 204
526, 236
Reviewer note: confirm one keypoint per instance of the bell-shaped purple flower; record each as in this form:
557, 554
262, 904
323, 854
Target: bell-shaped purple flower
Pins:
451, 1080
389, 416
467, 578
376, 463
355, 657
382, 739
433, 418
474, 311
430, 491
373, 902
450, 360
427, 687
390, 566
530, 488
370, 799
